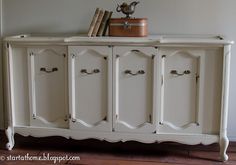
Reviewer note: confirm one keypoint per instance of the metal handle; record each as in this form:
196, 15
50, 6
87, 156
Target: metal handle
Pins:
84, 71
118, 9
134, 74
175, 72
126, 25
48, 71
136, 51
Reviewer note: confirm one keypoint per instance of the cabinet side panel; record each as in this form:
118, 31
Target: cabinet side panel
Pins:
21, 90
212, 91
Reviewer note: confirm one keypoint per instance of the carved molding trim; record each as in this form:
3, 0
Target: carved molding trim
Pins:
186, 126
133, 127
90, 125
90, 52
193, 139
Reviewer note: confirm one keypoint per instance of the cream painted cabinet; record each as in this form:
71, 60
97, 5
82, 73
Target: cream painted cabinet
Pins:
135, 75
152, 89
47, 73
90, 70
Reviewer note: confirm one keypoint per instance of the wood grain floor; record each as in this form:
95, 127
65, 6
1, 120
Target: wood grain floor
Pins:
94, 152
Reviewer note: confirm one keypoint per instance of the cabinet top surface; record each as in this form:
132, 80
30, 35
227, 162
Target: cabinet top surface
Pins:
150, 40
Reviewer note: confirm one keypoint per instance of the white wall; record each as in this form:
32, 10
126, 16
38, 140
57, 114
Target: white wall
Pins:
165, 17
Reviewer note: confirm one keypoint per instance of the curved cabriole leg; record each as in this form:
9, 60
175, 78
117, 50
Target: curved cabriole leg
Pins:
10, 136
224, 143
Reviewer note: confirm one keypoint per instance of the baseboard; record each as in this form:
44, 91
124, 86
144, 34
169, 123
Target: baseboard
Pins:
232, 138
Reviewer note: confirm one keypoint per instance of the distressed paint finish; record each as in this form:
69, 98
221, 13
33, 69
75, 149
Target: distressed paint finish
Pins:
207, 48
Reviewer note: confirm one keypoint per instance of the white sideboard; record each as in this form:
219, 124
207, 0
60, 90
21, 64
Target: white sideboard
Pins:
154, 89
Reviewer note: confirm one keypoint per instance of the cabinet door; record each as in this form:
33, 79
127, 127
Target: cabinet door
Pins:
182, 71
91, 87
135, 74
48, 86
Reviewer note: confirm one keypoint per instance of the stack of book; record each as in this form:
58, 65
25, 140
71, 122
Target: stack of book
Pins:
99, 24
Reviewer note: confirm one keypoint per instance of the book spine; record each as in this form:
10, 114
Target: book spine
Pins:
94, 20
103, 23
97, 25
107, 23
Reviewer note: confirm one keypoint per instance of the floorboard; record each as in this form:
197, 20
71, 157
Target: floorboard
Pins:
95, 152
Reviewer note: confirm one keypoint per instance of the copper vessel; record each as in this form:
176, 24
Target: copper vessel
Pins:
128, 27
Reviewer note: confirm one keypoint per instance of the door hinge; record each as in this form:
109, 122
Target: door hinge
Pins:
163, 56
197, 77
162, 80
105, 118
73, 120
34, 116
150, 118
66, 118
73, 55
153, 56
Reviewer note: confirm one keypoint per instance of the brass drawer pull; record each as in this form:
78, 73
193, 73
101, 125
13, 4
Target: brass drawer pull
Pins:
175, 72
134, 74
84, 71
136, 51
48, 71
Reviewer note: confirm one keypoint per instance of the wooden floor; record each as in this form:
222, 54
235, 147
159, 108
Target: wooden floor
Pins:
94, 152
